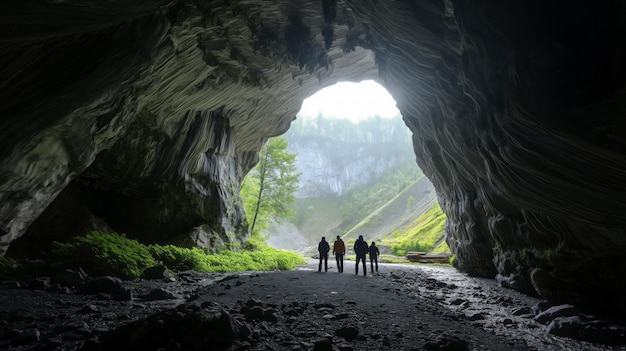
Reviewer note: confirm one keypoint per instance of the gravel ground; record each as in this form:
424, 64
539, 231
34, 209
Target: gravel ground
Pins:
401, 307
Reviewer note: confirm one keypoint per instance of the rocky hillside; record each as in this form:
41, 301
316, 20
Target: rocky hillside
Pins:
337, 155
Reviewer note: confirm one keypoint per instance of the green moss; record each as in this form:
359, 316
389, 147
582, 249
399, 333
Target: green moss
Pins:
113, 254
452, 258
178, 258
260, 260
6, 264
105, 254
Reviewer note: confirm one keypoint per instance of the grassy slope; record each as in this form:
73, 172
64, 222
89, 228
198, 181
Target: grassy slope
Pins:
425, 234
394, 214
393, 225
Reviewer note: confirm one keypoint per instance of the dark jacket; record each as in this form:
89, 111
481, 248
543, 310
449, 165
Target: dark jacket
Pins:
360, 247
323, 247
374, 253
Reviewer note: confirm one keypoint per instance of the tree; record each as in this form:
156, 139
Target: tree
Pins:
269, 188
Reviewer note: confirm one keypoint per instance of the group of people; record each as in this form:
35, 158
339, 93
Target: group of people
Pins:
339, 250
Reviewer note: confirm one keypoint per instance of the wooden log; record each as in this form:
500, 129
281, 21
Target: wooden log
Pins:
428, 258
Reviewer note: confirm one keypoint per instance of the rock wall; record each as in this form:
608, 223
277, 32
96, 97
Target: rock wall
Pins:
147, 115
150, 114
517, 113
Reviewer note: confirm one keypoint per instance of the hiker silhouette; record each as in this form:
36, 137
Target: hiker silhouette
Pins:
323, 249
339, 249
360, 249
374, 253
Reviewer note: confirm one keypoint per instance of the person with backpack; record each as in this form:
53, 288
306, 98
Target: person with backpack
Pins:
360, 249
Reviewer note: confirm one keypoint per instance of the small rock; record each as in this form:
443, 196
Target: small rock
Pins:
69, 277
87, 309
522, 311
456, 302
71, 325
252, 312
270, 315
158, 294
343, 315
78, 334
27, 336
324, 305
105, 284
42, 283
508, 322
323, 345
601, 332
348, 332
446, 342
123, 294
155, 272
296, 311
551, 313
542, 306
566, 326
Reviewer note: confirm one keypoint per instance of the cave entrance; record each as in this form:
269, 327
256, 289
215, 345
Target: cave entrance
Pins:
358, 175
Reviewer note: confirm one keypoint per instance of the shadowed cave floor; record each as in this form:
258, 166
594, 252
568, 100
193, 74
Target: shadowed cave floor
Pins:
402, 307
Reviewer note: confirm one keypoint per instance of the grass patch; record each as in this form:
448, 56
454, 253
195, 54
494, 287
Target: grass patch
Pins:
114, 254
424, 234
105, 254
392, 259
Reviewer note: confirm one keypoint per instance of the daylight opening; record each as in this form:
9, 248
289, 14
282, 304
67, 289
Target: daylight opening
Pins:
357, 176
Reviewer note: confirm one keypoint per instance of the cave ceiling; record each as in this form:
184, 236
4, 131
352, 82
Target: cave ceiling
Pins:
143, 117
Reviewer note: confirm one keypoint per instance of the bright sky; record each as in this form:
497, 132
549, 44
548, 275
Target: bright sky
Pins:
355, 101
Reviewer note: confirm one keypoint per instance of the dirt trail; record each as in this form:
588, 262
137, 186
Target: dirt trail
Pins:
402, 307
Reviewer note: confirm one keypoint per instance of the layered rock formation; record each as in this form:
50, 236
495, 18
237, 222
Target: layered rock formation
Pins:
146, 116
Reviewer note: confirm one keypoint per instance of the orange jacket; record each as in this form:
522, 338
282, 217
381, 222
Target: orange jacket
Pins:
339, 247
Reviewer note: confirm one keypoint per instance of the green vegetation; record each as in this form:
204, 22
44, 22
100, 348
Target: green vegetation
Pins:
452, 258
425, 234
114, 254
268, 190
6, 264
103, 254
360, 202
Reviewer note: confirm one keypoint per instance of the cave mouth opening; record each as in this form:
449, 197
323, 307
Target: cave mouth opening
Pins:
355, 101
355, 158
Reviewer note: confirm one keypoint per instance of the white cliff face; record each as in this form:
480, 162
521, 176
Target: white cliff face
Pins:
330, 167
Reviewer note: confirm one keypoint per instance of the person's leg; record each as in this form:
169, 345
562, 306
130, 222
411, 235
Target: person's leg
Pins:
372, 263
376, 260
356, 266
364, 267
319, 269
341, 260
338, 266
326, 263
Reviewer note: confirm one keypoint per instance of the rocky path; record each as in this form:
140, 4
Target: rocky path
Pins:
402, 307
